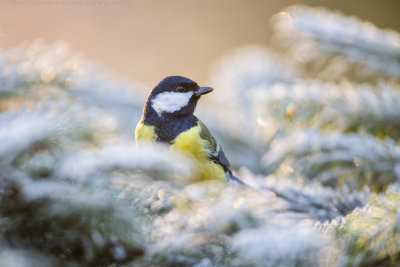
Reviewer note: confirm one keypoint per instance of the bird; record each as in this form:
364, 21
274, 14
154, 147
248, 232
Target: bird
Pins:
168, 118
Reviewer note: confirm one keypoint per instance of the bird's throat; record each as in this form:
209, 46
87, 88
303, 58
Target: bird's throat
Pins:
168, 129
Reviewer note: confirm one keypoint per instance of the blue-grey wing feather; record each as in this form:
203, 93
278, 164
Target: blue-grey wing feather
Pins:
216, 153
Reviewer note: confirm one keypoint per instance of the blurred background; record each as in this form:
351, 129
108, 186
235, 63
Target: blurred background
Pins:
306, 108
147, 40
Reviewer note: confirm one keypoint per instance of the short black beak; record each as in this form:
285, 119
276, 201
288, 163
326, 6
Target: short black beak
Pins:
203, 91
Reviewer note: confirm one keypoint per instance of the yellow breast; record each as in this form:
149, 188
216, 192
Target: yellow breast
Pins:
193, 145
144, 133
190, 143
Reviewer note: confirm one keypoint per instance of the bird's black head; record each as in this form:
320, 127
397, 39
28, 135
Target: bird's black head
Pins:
175, 96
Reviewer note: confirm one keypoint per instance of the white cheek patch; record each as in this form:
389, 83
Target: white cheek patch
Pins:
170, 101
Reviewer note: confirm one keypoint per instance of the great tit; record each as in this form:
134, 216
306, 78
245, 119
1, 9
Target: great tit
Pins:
168, 117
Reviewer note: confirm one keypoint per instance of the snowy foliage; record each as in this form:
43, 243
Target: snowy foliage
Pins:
345, 106
333, 45
310, 124
369, 234
315, 200
336, 159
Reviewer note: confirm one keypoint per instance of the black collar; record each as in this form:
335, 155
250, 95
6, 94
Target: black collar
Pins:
168, 127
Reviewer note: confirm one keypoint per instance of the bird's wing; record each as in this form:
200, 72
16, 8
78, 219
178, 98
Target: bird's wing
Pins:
216, 154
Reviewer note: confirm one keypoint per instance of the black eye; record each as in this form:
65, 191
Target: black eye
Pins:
180, 89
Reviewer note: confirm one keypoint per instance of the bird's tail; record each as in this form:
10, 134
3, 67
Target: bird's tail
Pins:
233, 178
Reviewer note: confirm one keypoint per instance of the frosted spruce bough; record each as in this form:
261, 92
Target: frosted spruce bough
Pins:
74, 190
312, 34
